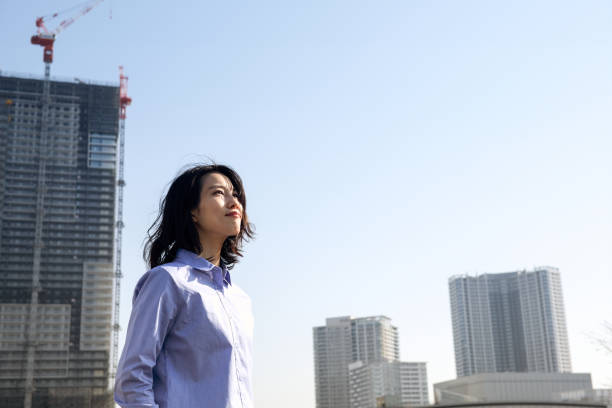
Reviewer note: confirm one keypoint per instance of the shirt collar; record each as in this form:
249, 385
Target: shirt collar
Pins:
204, 265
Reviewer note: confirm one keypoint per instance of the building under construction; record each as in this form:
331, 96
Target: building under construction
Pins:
60, 178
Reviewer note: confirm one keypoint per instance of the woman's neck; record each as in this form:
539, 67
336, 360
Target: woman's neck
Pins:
211, 250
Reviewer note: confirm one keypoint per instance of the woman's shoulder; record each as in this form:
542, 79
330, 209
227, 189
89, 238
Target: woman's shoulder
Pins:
178, 274
166, 275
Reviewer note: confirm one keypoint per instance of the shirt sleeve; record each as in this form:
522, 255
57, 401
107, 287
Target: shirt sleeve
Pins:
154, 309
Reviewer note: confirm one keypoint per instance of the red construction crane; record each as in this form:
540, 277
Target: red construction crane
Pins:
46, 38
124, 101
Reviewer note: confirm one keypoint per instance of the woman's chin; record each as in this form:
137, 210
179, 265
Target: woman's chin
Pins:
233, 232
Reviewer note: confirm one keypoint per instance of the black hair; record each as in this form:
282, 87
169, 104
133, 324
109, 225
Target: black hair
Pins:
174, 228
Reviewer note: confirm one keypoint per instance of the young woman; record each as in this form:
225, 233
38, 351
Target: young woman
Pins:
189, 340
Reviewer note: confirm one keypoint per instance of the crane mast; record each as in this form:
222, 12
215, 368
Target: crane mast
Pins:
46, 39
31, 333
124, 101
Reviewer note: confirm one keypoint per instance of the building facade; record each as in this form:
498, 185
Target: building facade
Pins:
509, 322
507, 387
342, 341
523, 404
402, 384
357, 361
333, 352
59, 191
374, 339
602, 395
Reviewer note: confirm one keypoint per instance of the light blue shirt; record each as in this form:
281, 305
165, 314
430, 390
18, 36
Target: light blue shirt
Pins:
189, 340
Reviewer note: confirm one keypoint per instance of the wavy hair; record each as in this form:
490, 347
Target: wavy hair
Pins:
174, 228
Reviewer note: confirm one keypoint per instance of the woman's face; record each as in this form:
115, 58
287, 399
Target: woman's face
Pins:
219, 213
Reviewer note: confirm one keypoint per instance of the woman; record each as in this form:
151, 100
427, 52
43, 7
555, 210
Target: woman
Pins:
189, 340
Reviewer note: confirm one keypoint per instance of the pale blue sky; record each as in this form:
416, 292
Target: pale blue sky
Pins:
385, 146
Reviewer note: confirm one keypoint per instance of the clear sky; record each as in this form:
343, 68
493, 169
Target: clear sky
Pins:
385, 146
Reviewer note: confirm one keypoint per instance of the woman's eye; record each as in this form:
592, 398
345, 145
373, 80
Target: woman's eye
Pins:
217, 192
235, 194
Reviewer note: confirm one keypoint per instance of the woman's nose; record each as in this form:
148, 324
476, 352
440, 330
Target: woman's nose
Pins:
234, 202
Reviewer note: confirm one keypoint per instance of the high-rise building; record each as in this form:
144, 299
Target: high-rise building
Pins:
333, 352
509, 322
370, 343
344, 340
404, 383
57, 240
373, 339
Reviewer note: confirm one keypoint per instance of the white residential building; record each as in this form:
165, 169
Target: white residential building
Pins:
403, 382
509, 322
372, 343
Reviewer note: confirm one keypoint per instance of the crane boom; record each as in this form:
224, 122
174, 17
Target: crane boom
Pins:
46, 38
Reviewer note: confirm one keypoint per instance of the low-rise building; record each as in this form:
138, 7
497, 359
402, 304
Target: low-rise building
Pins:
505, 387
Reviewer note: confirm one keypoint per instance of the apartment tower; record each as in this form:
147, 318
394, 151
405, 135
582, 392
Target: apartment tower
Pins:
342, 341
509, 322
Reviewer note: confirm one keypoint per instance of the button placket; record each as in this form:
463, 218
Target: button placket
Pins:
221, 294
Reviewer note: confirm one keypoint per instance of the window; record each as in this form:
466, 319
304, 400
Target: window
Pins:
102, 151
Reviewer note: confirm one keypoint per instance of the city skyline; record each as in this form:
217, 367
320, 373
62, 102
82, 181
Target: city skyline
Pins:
384, 147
